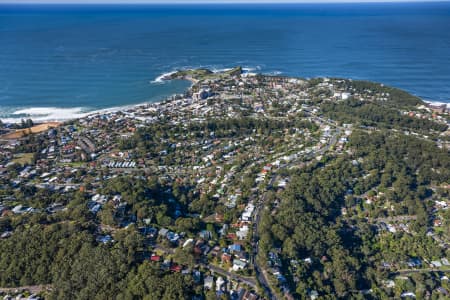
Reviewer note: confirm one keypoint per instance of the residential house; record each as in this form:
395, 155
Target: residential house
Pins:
208, 282
239, 264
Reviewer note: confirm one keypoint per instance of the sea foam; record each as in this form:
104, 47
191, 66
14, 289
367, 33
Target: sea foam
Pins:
46, 114
163, 77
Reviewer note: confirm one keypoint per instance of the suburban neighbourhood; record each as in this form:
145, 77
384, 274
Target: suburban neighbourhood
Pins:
200, 181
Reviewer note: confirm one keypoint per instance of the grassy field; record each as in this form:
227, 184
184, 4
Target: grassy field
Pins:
76, 164
35, 129
23, 158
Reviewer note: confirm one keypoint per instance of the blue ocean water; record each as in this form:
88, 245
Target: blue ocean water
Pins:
61, 61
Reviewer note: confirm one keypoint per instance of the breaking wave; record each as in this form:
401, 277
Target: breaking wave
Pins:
45, 114
161, 78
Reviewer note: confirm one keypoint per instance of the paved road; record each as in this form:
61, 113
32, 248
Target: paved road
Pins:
394, 219
247, 280
425, 270
260, 273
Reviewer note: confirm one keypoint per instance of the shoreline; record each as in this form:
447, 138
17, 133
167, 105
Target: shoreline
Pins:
134, 106
81, 114
437, 103
78, 112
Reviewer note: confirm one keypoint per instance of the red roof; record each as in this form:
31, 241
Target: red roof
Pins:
231, 236
226, 257
175, 268
155, 258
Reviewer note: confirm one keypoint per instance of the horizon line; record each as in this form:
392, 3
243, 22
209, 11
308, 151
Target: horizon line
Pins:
193, 2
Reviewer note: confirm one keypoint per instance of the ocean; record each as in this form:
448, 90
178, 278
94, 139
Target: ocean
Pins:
60, 62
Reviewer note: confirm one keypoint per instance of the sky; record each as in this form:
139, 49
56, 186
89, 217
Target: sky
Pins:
203, 1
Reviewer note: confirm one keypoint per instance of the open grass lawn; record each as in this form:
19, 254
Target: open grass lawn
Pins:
23, 158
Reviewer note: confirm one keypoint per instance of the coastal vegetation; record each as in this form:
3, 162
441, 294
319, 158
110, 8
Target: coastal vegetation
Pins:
247, 185
378, 115
203, 74
332, 253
